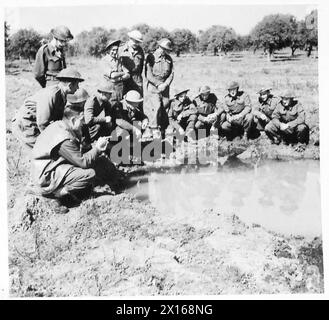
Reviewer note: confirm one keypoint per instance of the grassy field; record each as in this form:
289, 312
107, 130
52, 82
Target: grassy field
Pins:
116, 245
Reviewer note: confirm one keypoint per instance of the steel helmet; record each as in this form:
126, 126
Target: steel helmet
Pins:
136, 35
232, 85
166, 44
81, 95
62, 33
69, 74
133, 96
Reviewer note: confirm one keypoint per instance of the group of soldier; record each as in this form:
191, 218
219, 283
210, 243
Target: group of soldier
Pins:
68, 129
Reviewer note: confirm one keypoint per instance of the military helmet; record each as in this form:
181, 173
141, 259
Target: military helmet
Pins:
204, 89
81, 95
133, 96
106, 88
264, 89
135, 35
288, 94
112, 43
165, 44
62, 33
69, 74
179, 92
232, 85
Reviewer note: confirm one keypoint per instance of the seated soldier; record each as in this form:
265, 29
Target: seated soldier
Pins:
60, 169
288, 123
133, 119
207, 109
44, 107
182, 113
100, 115
238, 116
264, 110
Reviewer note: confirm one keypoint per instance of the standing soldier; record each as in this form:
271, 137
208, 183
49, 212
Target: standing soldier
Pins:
159, 74
264, 110
239, 118
131, 56
288, 122
44, 107
116, 73
50, 58
206, 104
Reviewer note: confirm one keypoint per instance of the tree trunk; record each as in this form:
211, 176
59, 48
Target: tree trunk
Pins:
293, 49
269, 54
309, 51
177, 53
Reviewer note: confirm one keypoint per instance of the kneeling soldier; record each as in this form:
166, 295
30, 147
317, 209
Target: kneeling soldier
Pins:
288, 122
264, 110
237, 107
60, 169
182, 113
44, 107
206, 104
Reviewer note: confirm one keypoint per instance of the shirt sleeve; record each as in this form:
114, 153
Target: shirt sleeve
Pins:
70, 150
171, 75
149, 71
300, 118
40, 68
90, 119
45, 106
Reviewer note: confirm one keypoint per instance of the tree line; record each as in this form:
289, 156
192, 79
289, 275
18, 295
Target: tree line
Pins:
273, 32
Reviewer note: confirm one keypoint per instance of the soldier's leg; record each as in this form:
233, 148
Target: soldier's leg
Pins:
303, 133
272, 130
228, 130
247, 123
155, 101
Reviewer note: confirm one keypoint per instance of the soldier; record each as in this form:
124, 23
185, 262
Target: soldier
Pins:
132, 57
100, 115
182, 113
238, 116
60, 169
159, 75
116, 72
288, 123
50, 58
44, 107
208, 111
263, 112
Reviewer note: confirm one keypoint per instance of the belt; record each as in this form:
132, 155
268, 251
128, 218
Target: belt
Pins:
50, 77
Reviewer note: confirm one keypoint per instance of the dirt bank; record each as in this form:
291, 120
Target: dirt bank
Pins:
116, 245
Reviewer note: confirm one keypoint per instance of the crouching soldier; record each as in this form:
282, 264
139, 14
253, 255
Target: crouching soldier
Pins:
207, 109
288, 123
237, 107
182, 114
44, 107
60, 170
100, 115
264, 110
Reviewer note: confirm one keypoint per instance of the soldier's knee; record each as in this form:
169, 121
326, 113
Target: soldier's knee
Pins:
90, 174
226, 125
302, 128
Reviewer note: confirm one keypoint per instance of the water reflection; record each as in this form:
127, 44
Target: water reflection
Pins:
282, 196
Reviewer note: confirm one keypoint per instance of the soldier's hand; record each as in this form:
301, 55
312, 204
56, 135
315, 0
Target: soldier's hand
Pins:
162, 87
101, 144
108, 119
283, 126
179, 118
145, 122
300, 147
138, 133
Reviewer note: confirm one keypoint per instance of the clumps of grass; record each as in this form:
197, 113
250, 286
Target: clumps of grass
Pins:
266, 71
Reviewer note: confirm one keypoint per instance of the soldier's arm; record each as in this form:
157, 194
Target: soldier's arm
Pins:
300, 118
90, 119
139, 63
70, 150
149, 71
40, 67
45, 107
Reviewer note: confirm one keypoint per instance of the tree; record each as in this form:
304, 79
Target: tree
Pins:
25, 43
218, 38
310, 31
7, 40
184, 41
274, 32
142, 27
152, 37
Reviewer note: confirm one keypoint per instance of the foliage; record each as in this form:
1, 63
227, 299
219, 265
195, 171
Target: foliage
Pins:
184, 41
7, 40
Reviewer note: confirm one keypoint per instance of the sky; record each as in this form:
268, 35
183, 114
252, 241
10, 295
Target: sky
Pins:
194, 16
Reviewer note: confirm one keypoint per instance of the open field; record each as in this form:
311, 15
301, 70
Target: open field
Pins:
117, 245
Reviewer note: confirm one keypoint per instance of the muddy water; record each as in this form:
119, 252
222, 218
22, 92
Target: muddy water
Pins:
282, 196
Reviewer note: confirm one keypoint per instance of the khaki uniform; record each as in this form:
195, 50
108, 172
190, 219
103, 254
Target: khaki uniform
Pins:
48, 63
58, 162
265, 108
133, 60
159, 70
188, 113
240, 104
37, 112
294, 114
95, 113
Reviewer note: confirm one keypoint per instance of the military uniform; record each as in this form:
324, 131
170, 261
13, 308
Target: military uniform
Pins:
294, 115
187, 112
58, 161
133, 61
37, 112
48, 63
95, 113
238, 105
265, 108
159, 70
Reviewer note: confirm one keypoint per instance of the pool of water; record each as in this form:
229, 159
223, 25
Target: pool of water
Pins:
282, 196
